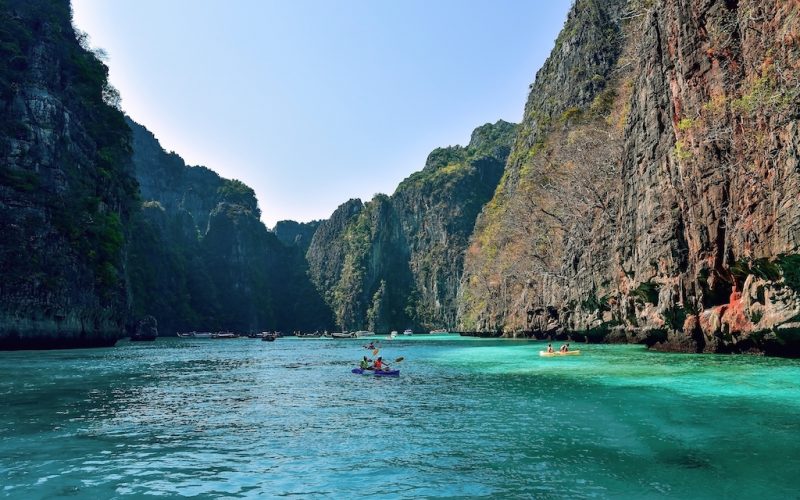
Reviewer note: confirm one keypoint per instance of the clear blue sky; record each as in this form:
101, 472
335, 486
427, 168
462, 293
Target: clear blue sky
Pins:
313, 102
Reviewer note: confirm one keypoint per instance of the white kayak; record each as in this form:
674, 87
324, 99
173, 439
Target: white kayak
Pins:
553, 354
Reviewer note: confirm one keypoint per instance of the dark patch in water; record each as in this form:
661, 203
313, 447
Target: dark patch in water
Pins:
686, 460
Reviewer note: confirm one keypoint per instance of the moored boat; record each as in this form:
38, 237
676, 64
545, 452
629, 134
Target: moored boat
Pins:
364, 333
224, 335
553, 354
439, 331
408, 331
343, 335
203, 335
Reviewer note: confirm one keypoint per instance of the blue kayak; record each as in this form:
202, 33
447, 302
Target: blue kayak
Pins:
377, 373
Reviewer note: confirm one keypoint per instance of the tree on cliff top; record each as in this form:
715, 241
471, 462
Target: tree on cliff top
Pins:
237, 192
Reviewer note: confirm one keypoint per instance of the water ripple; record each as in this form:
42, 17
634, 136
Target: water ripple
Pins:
467, 418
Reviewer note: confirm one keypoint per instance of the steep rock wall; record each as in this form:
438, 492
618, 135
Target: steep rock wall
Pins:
710, 199
296, 234
690, 240
396, 262
66, 190
528, 251
201, 259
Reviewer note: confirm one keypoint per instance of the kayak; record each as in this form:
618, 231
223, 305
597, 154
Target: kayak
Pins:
558, 353
377, 373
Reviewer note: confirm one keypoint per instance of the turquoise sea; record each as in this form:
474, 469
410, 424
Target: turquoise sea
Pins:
466, 418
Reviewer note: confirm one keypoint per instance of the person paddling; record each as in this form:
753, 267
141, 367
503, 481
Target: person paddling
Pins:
550, 348
364, 364
379, 365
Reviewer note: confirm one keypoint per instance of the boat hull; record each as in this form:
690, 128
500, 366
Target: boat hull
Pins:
390, 373
556, 354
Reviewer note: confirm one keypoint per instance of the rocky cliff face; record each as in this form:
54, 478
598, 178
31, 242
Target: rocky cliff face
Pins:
396, 261
66, 191
165, 177
202, 260
296, 234
438, 207
657, 204
327, 251
711, 179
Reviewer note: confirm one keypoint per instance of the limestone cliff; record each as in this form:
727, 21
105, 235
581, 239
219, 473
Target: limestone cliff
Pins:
296, 234
66, 191
396, 262
201, 258
438, 207
327, 251
651, 194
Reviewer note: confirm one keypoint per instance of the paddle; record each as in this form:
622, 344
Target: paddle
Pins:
386, 366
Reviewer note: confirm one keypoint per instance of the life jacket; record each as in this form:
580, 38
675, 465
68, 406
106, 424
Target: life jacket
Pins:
378, 364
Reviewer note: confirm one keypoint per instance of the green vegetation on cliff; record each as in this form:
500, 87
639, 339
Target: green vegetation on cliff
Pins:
651, 194
201, 259
66, 190
395, 262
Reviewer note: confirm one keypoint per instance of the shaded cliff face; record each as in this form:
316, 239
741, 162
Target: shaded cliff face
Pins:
395, 262
65, 185
201, 259
165, 177
685, 203
296, 234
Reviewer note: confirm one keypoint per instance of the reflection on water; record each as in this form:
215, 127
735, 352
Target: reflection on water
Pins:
467, 417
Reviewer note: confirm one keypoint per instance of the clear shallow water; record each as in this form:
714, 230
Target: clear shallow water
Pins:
467, 418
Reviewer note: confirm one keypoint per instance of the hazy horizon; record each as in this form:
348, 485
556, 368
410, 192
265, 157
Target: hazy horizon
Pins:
314, 103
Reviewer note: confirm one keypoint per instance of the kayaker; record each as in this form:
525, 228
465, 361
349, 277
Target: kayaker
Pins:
550, 348
378, 364
364, 364
566, 347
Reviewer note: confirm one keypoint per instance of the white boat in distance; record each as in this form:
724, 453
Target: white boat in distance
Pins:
196, 335
209, 335
364, 333
408, 331
343, 335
